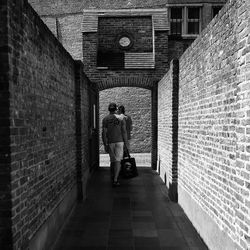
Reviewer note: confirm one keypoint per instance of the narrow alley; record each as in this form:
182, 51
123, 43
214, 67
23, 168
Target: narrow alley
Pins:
134, 216
180, 69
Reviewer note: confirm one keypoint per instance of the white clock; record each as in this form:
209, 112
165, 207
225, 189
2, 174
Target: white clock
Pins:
124, 41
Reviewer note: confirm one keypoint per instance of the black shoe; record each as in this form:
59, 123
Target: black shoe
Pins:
116, 184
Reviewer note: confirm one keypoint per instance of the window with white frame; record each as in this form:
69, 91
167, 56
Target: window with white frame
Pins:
185, 20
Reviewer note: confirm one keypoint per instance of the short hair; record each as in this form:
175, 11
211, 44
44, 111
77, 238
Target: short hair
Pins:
112, 107
121, 109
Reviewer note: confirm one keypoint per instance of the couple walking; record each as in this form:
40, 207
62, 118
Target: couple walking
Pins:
116, 134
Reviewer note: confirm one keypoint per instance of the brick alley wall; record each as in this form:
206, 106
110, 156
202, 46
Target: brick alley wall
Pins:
165, 90
168, 128
42, 116
82, 120
214, 129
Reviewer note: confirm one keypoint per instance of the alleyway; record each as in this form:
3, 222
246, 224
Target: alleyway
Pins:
135, 216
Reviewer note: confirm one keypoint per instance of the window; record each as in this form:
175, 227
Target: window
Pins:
215, 10
193, 20
185, 20
176, 21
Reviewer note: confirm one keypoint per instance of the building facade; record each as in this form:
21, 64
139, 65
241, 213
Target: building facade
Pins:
125, 40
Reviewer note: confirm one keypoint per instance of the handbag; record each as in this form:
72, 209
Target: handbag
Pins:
128, 166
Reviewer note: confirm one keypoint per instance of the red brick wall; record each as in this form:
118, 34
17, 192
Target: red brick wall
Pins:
39, 118
213, 135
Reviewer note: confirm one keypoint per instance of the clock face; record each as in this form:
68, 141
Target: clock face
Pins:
124, 41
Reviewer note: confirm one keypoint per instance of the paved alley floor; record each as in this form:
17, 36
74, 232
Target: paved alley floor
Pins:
135, 216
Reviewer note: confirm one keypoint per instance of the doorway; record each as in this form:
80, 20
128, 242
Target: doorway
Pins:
138, 104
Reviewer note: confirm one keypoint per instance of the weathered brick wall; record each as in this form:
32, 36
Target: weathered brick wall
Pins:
69, 32
67, 29
46, 7
49, 7
137, 103
41, 82
213, 154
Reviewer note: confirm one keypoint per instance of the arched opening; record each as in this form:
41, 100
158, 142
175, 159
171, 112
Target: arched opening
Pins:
138, 104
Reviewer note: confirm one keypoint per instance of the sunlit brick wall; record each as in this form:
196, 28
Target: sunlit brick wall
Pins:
214, 122
214, 129
165, 133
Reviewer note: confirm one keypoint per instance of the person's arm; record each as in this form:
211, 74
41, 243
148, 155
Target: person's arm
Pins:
124, 133
104, 137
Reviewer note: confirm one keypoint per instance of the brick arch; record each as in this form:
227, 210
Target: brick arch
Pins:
126, 81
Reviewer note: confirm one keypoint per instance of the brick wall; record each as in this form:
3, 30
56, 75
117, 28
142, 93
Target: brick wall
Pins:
42, 123
137, 104
82, 104
90, 44
46, 7
168, 128
139, 27
165, 89
69, 30
213, 135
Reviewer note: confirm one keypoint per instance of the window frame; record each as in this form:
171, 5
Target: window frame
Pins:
193, 20
185, 19
181, 20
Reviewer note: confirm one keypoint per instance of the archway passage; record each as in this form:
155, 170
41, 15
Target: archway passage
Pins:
134, 93
137, 103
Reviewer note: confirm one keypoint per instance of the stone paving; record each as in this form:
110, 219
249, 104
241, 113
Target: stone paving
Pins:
138, 215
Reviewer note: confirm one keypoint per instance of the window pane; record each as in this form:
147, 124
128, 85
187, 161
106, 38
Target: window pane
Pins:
176, 28
110, 59
193, 13
176, 13
193, 27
